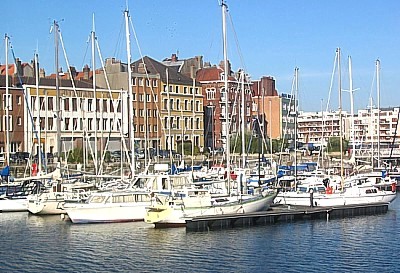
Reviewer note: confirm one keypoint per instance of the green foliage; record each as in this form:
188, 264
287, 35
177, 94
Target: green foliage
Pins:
187, 148
334, 144
253, 144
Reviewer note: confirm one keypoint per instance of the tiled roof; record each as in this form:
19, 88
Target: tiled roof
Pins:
11, 69
209, 74
14, 81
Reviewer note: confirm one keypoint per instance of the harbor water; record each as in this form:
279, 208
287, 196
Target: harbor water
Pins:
48, 244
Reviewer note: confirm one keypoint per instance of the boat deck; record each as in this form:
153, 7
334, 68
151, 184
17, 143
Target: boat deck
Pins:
282, 213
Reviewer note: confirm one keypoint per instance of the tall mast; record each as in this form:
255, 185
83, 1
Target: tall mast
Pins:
352, 138
58, 102
296, 84
169, 142
340, 118
7, 104
38, 106
93, 38
130, 95
226, 74
378, 91
243, 120
193, 117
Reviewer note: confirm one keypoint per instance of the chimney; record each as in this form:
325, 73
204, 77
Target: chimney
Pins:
174, 58
42, 73
72, 69
86, 71
19, 67
222, 66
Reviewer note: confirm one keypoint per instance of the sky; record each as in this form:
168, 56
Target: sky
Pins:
265, 37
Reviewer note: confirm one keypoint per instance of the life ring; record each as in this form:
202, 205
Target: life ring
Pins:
393, 187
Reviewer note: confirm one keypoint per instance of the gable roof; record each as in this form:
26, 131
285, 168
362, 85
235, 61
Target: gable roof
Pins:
155, 67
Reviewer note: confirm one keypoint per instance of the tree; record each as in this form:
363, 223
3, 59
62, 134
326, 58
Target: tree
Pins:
334, 144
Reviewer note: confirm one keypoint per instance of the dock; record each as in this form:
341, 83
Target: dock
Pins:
282, 213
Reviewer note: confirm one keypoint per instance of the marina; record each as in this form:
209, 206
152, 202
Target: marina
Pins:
364, 243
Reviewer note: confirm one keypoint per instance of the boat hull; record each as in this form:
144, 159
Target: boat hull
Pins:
176, 216
82, 214
334, 199
13, 204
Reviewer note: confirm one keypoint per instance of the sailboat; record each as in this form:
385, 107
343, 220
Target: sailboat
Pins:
169, 210
354, 192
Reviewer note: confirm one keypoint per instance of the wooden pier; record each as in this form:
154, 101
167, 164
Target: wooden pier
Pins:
281, 213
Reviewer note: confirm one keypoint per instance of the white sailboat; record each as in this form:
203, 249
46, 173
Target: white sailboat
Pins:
354, 192
126, 205
173, 209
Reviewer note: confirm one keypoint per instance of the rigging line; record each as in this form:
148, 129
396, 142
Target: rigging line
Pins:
331, 83
115, 105
25, 96
86, 50
286, 121
118, 44
237, 43
371, 98
73, 84
148, 78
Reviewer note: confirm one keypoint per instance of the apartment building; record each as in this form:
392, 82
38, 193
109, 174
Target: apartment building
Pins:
218, 102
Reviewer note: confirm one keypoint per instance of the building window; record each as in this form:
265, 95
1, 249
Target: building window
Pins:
141, 113
50, 103
165, 104
155, 83
66, 124
74, 105
147, 83
155, 97
19, 121
133, 81
155, 113
90, 105
155, 128
148, 98
141, 97
134, 97
178, 102
19, 100
177, 89
140, 82
185, 90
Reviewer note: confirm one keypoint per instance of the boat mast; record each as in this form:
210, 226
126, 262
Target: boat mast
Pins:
352, 108
38, 106
7, 104
58, 106
193, 117
340, 118
93, 38
130, 94
378, 91
242, 118
226, 74
296, 92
